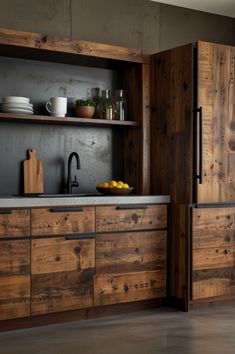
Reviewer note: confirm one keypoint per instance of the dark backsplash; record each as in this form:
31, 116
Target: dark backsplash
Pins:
100, 149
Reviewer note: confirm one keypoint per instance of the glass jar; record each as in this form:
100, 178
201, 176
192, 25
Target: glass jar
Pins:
120, 105
106, 106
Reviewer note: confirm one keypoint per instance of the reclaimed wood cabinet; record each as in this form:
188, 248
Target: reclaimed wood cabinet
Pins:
130, 266
62, 273
62, 266
192, 159
14, 264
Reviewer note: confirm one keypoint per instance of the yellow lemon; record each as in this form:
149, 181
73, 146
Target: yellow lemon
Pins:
100, 185
112, 184
125, 185
119, 186
105, 185
120, 183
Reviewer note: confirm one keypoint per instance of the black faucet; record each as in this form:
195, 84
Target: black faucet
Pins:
70, 184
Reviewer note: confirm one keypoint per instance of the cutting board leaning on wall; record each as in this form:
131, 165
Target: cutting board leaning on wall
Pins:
33, 174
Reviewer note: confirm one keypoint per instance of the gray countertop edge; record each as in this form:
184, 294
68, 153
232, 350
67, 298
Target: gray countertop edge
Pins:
19, 202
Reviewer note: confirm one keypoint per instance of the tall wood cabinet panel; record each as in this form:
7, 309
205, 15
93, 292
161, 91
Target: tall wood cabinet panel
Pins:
192, 155
172, 92
216, 92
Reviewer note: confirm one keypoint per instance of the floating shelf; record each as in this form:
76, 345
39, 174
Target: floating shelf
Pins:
9, 117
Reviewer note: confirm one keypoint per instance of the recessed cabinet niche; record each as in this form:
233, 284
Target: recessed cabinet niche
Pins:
40, 67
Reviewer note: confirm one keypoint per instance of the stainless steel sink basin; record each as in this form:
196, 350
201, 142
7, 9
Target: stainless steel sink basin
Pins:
64, 195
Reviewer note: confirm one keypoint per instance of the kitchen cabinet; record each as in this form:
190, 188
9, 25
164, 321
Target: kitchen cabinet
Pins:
192, 155
130, 265
62, 221
14, 264
62, 266
213, 244
62, 273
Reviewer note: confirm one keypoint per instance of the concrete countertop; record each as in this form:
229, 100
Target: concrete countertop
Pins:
30, 202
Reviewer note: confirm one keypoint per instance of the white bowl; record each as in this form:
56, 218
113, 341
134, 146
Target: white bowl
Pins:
15, 99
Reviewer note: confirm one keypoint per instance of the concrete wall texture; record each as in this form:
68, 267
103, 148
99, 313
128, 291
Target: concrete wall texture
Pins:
133, 23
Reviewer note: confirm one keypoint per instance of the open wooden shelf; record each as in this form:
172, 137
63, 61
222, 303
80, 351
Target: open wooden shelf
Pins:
10, 117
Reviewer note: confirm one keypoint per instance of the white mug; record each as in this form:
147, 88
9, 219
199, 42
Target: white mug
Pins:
57, 106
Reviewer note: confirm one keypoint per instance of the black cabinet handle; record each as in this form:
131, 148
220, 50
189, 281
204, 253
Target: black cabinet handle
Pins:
63, 210
198, 139
80, 237
133, 206
5, 211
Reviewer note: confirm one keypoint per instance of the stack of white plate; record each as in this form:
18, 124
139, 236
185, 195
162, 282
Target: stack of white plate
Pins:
16, 104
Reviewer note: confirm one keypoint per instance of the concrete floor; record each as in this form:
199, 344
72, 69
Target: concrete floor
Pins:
162, 331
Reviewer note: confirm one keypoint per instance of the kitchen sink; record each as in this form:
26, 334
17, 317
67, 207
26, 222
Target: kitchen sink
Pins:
62, 195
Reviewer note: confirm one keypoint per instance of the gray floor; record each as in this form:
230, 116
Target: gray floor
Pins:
209, 331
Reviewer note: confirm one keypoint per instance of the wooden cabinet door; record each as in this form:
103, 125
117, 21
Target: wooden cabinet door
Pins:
216, 96
62, 273
213, 254
130, 267
14, 222
14, 279
62, 220
130, 217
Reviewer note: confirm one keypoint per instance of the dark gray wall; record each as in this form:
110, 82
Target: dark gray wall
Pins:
133, 23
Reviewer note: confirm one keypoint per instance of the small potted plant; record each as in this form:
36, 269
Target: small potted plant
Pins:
85, 108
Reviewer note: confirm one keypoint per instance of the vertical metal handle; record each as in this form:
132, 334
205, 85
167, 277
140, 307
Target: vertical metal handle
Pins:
198, 138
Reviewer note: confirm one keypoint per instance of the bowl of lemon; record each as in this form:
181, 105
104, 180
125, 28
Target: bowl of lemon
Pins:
114, 188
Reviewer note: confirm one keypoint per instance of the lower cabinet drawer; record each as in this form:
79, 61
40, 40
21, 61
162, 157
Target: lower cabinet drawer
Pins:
117, 288
62, 221
62, 274
130, 217
14, 222
14, 279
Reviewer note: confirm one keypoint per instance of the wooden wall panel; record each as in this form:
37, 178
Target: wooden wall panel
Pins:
111, 218
216, 92
118, 288
137, 140
16, 224
130, 252
62, 274
45, 222
14, 279
213, 263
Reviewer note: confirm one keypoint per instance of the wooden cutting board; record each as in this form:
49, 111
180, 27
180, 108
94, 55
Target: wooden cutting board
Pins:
33, 174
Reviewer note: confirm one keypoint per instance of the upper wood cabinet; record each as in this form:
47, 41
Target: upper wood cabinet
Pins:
192, 130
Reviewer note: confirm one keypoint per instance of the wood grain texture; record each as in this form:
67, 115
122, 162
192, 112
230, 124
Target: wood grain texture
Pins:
24, 118
118, 288
213, 256
127, 252
45, 222
33, 174
109, 218
62, 274
216, 77
137, 141
15, 224
14, 279
55, 45
171, 98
